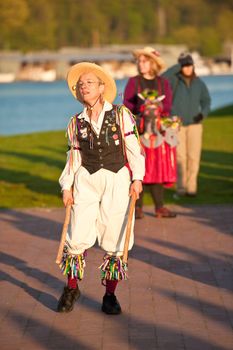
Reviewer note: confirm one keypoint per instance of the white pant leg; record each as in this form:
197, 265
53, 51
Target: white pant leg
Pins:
82, 233
113, 213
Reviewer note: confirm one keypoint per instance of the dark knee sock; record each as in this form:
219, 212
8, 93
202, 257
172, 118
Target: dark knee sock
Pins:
111, 286
72, 282
139, 202
157, 192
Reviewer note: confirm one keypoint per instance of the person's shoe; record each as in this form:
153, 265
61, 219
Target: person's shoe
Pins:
176, 196
67, 299
164, 213
139, 213
181, 192
179, 195
191, 194
111, 305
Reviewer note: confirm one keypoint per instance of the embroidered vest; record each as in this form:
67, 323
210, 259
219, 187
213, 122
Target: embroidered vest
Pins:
103, 151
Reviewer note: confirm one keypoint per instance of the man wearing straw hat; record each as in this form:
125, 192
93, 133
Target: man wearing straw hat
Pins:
103, 145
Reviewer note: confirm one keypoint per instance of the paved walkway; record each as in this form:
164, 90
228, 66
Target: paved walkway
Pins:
179, 295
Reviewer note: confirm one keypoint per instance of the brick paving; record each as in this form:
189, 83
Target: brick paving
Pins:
179, 295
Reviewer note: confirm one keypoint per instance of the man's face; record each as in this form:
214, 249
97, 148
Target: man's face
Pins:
187, 71
89, 87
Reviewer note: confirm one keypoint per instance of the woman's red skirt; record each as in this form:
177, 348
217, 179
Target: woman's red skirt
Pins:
160, 165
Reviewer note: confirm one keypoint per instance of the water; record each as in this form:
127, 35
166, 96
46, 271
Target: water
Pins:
27, 107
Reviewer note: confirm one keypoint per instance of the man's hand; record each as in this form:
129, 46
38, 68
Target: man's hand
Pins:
136, 188
67, 197
198, 118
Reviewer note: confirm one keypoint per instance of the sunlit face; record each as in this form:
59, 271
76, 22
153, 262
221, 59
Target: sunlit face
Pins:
144, 65
187, 71
89, 87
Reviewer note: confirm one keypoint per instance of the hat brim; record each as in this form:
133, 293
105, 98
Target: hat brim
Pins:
79, 69
159, 61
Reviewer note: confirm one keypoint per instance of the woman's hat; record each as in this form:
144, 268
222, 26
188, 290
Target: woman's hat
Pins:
79, 69
152, 53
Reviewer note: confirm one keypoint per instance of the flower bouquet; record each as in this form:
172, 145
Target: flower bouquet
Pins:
173, 122
155, 126
152, 105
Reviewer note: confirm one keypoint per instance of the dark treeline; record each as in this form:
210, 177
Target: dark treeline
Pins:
205, 25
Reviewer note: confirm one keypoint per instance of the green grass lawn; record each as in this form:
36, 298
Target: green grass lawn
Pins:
31, 165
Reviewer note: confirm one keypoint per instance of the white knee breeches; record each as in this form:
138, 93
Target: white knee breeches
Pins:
100, 210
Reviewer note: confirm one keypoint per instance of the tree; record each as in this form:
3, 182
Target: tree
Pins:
42, 24
39, 31
13, 15
224, 24
210, 43
188, 35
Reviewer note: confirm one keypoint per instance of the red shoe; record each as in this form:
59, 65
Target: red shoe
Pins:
139, 213
164, 213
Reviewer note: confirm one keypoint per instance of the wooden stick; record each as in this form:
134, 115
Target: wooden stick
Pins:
128, 228
63, 235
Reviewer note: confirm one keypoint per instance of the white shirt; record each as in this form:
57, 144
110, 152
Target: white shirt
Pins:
133, 150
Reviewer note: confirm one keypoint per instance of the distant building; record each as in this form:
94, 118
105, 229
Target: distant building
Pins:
118, 59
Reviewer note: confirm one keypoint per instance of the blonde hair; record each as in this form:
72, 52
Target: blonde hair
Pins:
154, 68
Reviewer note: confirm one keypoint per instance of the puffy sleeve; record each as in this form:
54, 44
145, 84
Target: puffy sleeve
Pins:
133, 149
73, 161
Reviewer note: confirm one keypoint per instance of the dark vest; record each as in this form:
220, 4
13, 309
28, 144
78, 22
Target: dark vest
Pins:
104, 151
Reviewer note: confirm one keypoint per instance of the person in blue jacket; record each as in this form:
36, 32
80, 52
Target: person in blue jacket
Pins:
191, 102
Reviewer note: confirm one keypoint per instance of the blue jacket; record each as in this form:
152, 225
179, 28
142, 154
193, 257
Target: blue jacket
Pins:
188, 101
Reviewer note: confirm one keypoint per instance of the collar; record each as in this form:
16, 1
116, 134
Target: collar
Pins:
182, 77
106, 107
97, 126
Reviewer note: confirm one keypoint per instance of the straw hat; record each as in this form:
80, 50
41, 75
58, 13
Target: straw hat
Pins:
87, 67
152, 53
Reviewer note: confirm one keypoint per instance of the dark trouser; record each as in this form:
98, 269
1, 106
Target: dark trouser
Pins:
156, 191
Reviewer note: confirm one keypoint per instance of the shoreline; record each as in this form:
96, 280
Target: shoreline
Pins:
9, 79
118, 60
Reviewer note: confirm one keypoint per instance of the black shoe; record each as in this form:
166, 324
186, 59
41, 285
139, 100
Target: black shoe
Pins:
191, 194
178, 195
67, 299
111, 305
